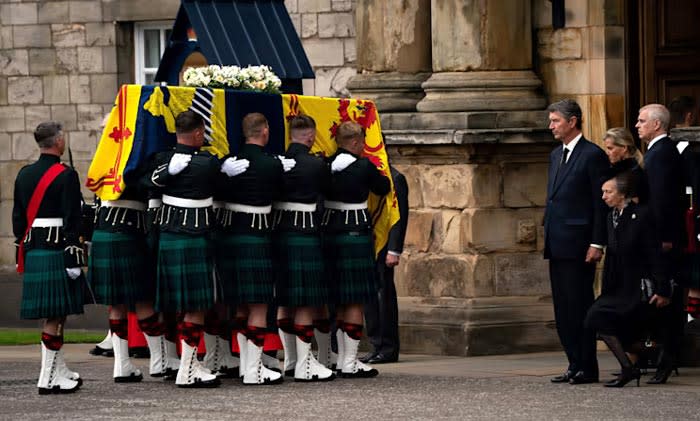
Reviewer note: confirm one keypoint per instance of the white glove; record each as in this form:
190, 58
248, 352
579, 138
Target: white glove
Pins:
287, 163
342, 161
178, 162
73, 273
233, 167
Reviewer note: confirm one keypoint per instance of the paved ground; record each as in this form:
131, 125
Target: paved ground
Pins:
418, 387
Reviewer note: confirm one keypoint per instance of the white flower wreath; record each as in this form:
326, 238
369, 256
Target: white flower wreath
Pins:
251, 78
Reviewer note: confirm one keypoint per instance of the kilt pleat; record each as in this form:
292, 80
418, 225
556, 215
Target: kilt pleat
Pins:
47, 291
185, 279
350, 267
301, 280
245, 268
119, 269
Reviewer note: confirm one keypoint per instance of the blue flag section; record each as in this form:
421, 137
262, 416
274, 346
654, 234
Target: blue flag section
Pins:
239, 103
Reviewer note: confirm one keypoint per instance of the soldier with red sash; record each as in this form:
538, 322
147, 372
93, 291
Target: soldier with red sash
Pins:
348, 244
45, 221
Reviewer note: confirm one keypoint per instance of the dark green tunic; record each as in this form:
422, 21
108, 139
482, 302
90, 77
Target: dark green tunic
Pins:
47, 290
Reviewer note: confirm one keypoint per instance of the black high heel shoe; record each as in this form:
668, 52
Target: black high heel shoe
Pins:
626, 376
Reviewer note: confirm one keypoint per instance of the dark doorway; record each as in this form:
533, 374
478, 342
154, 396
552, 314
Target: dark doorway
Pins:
663, 42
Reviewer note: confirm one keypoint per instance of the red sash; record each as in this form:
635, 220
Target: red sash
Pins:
33, 207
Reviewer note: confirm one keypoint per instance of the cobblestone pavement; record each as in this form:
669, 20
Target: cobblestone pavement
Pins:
418, 387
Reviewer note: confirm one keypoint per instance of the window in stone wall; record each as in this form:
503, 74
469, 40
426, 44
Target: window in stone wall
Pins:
150, 39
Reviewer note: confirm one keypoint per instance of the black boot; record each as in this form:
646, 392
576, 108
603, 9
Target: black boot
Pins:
663, 369
629, 371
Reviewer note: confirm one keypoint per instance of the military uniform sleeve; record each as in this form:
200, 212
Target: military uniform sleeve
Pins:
379, 184
71, 210
159, 176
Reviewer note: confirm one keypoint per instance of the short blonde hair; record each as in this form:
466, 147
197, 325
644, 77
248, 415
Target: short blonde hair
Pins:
253, 124
348, 131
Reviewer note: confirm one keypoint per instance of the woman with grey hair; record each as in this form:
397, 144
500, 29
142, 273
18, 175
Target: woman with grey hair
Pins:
620, 315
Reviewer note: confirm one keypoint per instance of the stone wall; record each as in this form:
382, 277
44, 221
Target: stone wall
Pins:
327, 31
472, 279
585, 60
57, 61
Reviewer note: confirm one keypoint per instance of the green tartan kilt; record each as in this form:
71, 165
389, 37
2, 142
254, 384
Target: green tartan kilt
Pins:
245, 268
300, 270
47, 291
185, 280
350, 267
119, 269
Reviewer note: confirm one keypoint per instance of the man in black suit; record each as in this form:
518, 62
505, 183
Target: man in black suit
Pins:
382, 316
574, 229
664, 170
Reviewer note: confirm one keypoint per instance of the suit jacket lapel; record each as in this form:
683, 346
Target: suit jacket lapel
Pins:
564, 172
556, 157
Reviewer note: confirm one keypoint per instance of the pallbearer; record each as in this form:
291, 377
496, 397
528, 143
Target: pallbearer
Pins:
301, 283
45, 221
246, 269
186, 177
348, 242
123, 276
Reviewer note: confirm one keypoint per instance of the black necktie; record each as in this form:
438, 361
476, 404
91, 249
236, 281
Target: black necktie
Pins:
563, 157
562, 162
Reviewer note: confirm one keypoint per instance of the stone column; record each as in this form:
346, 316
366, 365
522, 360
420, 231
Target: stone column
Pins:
393, 52
481, 57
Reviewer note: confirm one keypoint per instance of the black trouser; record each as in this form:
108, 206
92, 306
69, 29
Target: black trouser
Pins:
382, 315
572, 295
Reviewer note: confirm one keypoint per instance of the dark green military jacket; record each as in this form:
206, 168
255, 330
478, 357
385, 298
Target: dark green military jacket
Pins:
61, 200
258, 186
305, 183
197, 181
353, 185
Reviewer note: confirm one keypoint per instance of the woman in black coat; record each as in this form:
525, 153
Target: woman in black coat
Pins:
619, 315
625, 157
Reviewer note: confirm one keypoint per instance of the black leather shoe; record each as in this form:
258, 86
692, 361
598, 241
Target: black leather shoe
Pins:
564, 378
581, 378
382, 359
368, 356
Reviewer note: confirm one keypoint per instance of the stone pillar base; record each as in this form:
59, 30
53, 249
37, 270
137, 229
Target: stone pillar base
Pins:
477, 326
390, 91
482, 91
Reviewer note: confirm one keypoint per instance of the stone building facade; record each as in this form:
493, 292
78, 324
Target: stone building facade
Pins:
461, 85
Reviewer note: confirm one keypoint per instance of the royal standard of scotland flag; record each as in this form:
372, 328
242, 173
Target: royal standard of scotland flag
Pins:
142, 122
